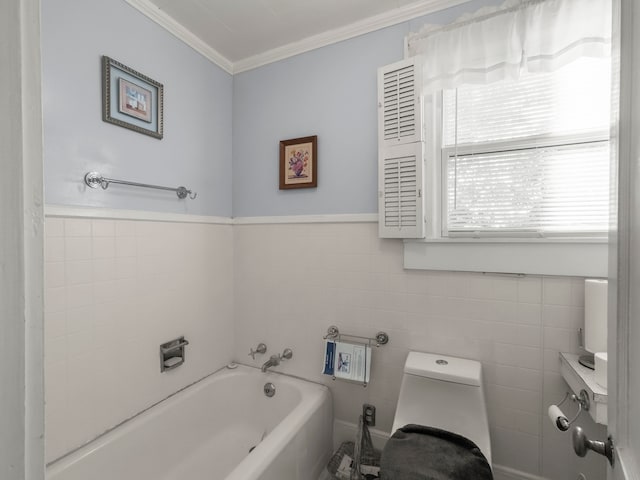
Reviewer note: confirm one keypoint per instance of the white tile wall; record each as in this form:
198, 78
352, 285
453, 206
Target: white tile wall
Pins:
115, 290
293, 281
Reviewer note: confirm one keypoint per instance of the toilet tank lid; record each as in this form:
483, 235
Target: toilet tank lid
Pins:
441, 367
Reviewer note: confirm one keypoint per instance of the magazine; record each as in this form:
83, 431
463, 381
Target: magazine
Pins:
348, 361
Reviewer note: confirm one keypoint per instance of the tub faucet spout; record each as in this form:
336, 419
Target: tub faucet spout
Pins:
272, 362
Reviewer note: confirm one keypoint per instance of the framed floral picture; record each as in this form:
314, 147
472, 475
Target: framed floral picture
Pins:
130, 99
299, 163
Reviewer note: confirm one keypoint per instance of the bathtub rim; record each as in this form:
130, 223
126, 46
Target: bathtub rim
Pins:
260, 458
150, 411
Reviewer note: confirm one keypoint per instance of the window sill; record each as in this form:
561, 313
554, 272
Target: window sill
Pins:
565, 257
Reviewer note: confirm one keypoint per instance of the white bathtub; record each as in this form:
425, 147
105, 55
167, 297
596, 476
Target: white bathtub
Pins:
207, 430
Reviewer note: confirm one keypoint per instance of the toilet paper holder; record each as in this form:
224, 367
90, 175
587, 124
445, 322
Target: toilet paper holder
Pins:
558, 417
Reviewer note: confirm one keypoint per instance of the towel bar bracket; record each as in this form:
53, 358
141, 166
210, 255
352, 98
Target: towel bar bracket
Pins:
381, 338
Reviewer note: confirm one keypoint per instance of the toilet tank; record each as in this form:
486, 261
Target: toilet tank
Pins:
446, 393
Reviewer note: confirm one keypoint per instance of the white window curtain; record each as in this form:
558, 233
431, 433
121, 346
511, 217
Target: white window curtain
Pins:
517, 37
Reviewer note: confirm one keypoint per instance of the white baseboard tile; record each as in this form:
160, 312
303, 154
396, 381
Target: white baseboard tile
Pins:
345, 431
505, 473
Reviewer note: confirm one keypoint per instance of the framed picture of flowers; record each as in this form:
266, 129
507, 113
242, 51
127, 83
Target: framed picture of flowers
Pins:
299, 163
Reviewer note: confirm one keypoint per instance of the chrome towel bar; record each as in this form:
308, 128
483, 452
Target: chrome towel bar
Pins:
95, 180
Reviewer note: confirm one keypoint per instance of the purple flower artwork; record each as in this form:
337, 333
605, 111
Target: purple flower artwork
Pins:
299, 163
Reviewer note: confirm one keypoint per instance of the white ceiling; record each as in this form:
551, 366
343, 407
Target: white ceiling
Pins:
241, 29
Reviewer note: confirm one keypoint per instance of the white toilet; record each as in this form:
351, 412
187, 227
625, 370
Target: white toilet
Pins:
446, 393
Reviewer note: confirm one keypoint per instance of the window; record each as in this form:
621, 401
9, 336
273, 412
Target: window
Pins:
518, 175
516, 141
528, 157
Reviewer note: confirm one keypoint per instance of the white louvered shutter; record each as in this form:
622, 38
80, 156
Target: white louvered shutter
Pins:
400, 151
399, 103
400, 192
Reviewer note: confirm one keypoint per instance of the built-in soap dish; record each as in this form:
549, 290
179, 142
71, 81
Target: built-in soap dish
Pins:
172, 354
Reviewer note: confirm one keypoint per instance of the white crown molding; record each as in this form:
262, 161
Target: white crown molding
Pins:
356, 29
371, 24
144, 215
336, 218
168, 23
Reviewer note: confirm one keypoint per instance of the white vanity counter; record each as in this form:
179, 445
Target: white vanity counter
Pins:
579, 378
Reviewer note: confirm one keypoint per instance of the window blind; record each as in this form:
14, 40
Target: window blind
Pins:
530, 155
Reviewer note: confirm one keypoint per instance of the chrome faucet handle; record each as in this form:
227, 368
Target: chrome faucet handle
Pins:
287, 354
261, 349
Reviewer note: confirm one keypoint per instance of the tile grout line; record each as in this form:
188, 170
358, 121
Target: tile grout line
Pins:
542, 350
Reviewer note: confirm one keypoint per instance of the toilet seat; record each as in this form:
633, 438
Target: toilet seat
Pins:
417, 452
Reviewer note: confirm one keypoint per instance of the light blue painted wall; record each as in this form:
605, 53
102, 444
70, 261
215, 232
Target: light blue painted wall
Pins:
330, 92
196, 149
221, 132
325, 92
